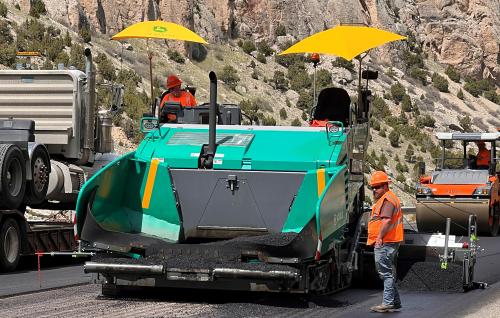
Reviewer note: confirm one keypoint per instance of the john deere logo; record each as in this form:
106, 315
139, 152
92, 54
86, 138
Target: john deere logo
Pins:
159, 29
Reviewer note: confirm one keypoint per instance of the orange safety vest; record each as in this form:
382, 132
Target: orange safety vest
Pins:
483, 157
395, 233
186, 99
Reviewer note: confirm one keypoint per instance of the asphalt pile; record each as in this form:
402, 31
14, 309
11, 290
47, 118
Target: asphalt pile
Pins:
428, 276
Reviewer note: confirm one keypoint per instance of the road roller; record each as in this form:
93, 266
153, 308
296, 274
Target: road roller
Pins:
462, 186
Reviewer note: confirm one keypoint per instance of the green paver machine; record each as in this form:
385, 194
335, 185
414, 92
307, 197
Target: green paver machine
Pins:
229, 206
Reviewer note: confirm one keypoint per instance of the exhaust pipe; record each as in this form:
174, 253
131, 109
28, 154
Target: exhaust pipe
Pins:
212, 119
93, 267
89, 112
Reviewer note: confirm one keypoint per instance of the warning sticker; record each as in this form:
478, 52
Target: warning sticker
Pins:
217, 161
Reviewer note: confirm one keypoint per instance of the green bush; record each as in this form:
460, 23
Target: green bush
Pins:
298, 77
240, 43
261, 58
425, 121
305, 101
460, 94
305, 116
283, 113
397, 92
394, 138
62, 58
453, 74
3, 9
8, 55
54, 47
248, 46
410, 152
390, 72
279, 81
323, 79
375, 124
176, 56
492, 95
67, 39
379, 108
264, 48
412, 60
229, 76
296, 122
289, 59
419, 74
37, 8
288, 103
106, 68
5, 35
466, 123
440, 83
402, 119
250, 109
406, 103
255, 74
85, 34
77, 57
280, 30
477, 87
382, 133
401, 178
268, 121
341, 62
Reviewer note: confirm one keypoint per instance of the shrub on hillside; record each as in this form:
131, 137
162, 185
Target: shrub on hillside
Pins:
261, 58
283, 113
67, 39
492, 95
248, 46
37, 8
460, 94
279, 81
298, 77
477, 87
453, 74
419, 74
382, 133
280, 30
85, 34
62, 58
229, 76
397, 92
5, 35
341, 62
412, 60
410, 152
268, 121
296, 122
264, 48
440, 83
106, 68
466, 123
8, 55
305, 101
394, 138
175, 56
425, 121
77, 57
3, 9
406, 103
379, 108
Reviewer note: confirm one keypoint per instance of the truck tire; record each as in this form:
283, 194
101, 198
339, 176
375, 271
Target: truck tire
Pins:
10, 245
12, 176
36, 189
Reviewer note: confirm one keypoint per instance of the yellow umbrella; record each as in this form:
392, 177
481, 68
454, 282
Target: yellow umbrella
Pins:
347, 41
157, 30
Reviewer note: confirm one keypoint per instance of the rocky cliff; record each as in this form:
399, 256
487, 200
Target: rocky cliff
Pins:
462, 33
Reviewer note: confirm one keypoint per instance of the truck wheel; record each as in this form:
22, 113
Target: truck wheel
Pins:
12, 176
10, 245
36, 189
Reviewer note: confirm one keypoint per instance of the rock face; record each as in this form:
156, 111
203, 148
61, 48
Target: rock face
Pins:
462, 33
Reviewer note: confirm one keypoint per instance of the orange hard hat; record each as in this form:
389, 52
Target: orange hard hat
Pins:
379, 177
173, 81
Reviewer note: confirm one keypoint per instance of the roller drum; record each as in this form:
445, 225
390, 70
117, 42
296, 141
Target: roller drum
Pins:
431, 215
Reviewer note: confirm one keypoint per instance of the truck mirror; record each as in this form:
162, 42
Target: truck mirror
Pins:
148, 124
369, 74
421, 168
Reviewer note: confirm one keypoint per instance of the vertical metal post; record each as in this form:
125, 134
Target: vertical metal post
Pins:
314, 86
447, 237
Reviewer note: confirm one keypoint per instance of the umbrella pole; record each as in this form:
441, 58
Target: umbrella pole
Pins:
314, 87
360, 99
150, 57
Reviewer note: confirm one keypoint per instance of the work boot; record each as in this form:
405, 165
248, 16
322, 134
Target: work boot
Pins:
386, 308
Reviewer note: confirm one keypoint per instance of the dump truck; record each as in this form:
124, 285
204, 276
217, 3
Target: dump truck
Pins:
51, 140
459, 188
231, 206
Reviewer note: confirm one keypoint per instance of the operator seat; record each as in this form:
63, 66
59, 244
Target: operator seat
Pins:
333, 105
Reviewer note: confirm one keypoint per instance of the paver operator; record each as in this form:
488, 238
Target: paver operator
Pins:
385, 232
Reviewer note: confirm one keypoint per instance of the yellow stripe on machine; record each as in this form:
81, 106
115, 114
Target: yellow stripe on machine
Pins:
320, 174
146, 198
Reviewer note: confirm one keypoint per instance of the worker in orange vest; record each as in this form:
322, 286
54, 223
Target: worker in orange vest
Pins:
385, 232
483, 156
185, 98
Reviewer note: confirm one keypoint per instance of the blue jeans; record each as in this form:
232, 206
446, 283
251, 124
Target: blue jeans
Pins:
385, 264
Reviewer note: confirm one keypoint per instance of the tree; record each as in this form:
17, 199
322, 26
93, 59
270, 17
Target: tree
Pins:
397, 92
406, 103
3, 9
440, 83
85, 34
296, 122
492, 95
77, 57
341, 62
268, 121
5, 35
106, 68
280, 30
37, 8
453, 74
248, 46
175, 56
279, 81
62, 58
419, 74
425, 121
67, 39
229, 76
460, 94
305, 101
323, 79
409, 153
264, 48
8, 54
380, 108
466, 123
261, 58
394, 138
283, 113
